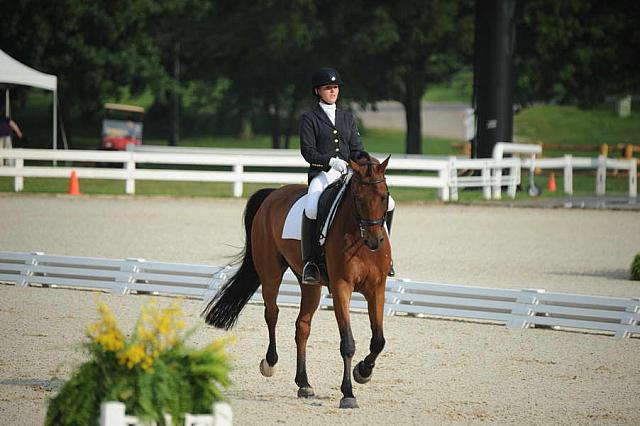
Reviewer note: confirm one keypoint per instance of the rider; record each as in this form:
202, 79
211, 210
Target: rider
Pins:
328, 135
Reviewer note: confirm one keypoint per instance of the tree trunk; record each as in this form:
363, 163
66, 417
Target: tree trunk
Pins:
291, 120
273, 112
175, 98
411, 103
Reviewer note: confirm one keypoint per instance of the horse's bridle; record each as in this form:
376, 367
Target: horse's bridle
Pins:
362, 223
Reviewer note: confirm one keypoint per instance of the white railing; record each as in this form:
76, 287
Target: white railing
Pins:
113, 414
445, 172
601, 164
515, 308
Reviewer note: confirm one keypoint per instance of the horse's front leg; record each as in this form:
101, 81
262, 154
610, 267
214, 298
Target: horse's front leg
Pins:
341, 301
308, 306
364, 369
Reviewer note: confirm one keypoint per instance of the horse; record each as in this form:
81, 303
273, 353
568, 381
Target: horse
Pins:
357, 255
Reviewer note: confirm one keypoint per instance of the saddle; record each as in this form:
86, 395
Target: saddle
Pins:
328, 204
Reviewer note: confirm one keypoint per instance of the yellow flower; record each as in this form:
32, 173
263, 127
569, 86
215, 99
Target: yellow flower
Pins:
105, 332
132, 355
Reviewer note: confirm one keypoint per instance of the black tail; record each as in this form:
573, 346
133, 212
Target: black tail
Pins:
223, 310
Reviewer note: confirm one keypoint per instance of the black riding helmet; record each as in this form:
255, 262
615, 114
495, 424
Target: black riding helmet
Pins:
323, 77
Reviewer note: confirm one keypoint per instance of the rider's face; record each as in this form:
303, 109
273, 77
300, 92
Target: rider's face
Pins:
329, 93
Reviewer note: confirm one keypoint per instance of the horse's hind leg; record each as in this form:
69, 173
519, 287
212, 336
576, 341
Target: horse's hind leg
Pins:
270, 273
308, 306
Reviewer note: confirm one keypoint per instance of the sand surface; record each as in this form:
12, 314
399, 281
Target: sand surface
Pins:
432, 371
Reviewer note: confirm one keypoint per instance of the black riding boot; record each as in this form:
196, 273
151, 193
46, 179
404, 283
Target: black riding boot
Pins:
310, 272
392, 271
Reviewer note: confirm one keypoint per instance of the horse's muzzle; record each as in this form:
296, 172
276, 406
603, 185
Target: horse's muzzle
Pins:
373, 243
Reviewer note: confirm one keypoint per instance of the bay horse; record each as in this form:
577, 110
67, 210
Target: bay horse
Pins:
358, 258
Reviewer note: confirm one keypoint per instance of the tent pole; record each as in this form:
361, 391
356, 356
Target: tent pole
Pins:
55, 119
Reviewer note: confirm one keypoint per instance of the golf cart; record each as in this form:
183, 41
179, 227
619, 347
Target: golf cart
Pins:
121, 126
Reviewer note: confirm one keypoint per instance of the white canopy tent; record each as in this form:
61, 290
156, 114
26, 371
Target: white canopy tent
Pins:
14, 72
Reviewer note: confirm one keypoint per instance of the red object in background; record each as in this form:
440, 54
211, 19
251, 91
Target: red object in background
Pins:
74, 185
118, 143
552, 182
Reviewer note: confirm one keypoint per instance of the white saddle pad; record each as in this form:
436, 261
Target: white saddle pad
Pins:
293, 224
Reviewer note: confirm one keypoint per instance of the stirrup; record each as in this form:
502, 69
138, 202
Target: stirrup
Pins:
310, 274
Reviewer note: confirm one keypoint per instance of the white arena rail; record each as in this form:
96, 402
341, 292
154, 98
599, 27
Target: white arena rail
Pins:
601, 164
444, 174
515, 308
236, 162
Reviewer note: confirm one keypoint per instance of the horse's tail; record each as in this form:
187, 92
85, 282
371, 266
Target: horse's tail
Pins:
225, 307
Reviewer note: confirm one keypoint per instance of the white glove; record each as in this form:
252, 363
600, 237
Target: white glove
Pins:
338, 164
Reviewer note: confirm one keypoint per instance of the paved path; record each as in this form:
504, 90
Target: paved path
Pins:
453, 121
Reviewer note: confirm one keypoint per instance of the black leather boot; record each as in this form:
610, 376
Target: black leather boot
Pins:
310, 272
392, 271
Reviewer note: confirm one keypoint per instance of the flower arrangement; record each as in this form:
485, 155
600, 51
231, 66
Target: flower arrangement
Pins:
153, 371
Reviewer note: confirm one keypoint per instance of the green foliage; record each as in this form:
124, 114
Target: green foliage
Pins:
635, 268
153, 372
577, 51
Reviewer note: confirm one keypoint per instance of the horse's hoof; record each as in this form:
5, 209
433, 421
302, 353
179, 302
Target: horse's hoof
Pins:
348, 402
266, 369
306, 392
358, 377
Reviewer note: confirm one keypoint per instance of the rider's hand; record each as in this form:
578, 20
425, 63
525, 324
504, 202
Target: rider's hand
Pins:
338, 164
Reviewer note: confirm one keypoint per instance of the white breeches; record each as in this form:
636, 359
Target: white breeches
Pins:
318, 184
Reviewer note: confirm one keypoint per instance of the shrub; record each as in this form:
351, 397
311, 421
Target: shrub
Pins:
635, 268
153, 371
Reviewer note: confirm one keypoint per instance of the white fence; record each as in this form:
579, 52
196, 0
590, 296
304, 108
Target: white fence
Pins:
113, 414
515, 308
444, 172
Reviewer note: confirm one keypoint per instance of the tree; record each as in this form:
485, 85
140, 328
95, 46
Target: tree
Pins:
261, 48
577, 51
405, 46
95, 48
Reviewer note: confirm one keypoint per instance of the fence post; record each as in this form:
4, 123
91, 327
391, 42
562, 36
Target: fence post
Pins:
18, 183
453, 179
633, 309
497, 181
443, 191
514, 179
222, 414
126, 276
27, 271
486, 180
601, 175
130, 185
523, 311
633, 178
112, 414
238, 169
568, 174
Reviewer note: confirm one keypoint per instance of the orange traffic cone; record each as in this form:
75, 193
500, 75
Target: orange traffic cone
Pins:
552, 182
74, 186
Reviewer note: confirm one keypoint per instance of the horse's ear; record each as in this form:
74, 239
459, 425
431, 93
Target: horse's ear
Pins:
356, 167
383, 166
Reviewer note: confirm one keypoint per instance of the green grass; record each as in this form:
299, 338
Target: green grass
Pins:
561, 124
458, 90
